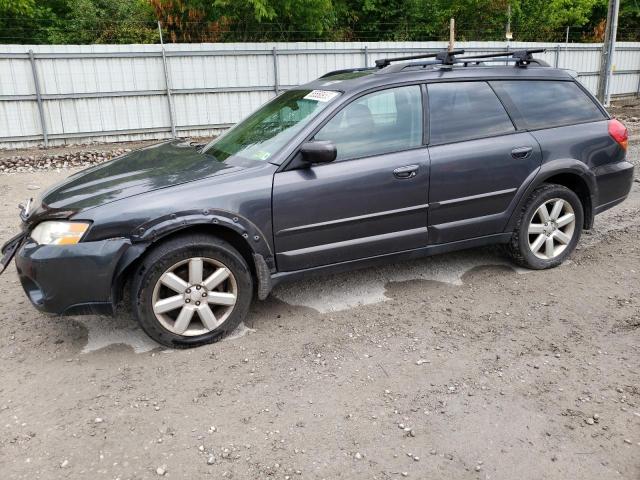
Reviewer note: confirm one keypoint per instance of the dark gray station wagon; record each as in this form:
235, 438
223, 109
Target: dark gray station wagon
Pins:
417, 156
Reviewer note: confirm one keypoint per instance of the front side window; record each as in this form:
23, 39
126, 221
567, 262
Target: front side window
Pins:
464, 110
548, 103
380, 122
271, 127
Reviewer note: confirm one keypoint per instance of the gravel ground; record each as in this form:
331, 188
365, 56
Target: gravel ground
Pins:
452, 367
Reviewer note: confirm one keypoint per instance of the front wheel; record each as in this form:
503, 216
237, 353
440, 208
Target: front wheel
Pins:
191, 290
548, 229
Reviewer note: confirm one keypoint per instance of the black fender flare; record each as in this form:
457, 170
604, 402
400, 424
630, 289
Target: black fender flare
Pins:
152, 231
550, 169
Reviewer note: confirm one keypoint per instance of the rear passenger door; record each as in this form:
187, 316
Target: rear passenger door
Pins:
478, 161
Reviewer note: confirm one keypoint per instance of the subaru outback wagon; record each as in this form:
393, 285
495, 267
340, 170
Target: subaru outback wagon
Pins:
416, 156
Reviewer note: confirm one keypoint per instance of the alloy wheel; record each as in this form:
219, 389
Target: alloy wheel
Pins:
194, 296
551, 228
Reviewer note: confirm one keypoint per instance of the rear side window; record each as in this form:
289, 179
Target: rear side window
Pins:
465, 110
545, 104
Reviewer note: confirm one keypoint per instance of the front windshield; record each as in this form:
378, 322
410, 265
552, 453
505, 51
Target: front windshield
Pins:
269, 128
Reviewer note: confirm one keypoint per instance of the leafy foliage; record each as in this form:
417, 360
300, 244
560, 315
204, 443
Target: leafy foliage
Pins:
133, 21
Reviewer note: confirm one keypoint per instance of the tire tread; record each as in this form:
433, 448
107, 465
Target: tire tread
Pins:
145, 271
513, 248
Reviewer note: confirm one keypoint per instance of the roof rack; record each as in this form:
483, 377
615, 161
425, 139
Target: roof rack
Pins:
444, 57
521, 57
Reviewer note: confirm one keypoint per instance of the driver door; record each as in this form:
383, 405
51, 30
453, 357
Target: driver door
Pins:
372, 200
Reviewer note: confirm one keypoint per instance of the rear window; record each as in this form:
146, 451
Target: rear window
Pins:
464, 110
545, 104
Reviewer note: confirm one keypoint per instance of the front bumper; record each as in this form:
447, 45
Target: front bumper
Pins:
70, 278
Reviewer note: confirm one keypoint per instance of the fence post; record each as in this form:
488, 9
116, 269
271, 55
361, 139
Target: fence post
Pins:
276, 76
557, 59
366, 57
36, 82
167, 84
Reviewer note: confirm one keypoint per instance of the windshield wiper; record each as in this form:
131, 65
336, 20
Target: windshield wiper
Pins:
198, 146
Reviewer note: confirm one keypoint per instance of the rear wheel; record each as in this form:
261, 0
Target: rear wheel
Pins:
549, 228
191, 290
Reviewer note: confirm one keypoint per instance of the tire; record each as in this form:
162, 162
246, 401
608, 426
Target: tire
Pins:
170, 271
523, 244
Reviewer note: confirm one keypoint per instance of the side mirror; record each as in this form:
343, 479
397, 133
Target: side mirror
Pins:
318, 152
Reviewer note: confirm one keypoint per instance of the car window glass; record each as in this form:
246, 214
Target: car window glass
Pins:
380, 122
544, 103
271, 127
465, 110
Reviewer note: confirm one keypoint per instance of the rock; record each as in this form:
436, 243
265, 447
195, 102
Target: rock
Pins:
627, 441
422, 361
64, 464
98, 420
358, 456
211, 460
589, 421
33, 187
162, 470
47, 161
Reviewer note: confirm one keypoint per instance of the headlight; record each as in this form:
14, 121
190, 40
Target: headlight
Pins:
59, 233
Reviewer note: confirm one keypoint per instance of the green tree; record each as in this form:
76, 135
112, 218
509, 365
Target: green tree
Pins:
104, 21
127, 21
79, 21
17, 7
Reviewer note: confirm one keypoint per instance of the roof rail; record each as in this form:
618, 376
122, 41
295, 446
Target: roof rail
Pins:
521, 57
444, 57
347, 70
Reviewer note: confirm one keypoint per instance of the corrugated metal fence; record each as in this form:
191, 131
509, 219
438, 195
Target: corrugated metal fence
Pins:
80, 93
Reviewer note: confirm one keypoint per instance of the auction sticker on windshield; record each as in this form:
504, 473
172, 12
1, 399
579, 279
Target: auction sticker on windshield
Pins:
321, 95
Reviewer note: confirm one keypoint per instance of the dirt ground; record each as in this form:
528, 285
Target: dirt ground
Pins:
454, 367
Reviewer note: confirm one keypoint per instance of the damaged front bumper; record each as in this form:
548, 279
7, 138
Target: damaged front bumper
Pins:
65, 279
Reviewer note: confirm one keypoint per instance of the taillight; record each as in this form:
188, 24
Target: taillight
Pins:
619, 133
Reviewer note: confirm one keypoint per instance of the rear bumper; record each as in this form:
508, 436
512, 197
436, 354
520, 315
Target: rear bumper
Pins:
70, 278
614, 184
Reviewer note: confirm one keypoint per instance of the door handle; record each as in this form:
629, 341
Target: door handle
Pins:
521, 152
408, 171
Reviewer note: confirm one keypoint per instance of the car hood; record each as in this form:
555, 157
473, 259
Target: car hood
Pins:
137, 172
